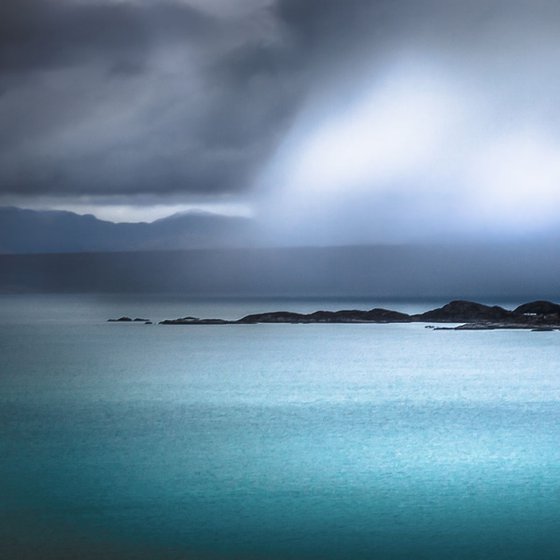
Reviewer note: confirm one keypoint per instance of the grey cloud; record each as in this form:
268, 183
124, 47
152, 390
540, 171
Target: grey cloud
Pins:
113, 98
39, 34
123, 98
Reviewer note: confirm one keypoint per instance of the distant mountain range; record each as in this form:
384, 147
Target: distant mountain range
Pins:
53, 231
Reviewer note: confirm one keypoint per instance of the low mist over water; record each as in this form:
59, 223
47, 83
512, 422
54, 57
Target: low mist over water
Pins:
436, 272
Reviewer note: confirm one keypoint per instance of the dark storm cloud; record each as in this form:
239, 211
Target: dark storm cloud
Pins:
39, 34
116, 98
126, 98
352, 35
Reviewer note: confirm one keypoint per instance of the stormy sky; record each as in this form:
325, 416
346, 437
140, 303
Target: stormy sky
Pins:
328, 121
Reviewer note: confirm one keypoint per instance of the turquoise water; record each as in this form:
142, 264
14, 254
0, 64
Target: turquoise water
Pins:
272, 441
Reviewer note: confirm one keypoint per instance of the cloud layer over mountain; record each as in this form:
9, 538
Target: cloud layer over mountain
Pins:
371, 120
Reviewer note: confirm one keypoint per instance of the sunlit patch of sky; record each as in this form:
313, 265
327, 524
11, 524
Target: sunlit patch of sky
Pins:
123, 212
415, 156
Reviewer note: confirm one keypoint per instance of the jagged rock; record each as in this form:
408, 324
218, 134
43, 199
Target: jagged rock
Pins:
120, 320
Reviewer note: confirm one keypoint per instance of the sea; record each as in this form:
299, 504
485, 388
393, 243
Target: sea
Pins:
322, 441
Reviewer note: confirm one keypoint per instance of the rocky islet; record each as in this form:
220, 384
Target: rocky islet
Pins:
537, 315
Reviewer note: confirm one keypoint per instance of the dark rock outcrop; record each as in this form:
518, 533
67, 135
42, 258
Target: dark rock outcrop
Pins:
125, 319
379, 315
489, 326
273, 317
344, 316
538, 308
471, 315
194, 321
460, 311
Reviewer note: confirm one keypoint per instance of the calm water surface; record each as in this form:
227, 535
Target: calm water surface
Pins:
272, 441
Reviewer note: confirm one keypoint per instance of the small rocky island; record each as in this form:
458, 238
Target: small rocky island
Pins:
536, 315
125, 319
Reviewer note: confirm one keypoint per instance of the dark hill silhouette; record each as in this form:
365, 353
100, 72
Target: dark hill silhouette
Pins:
539, 307
53, 231
460, 311
474, 316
